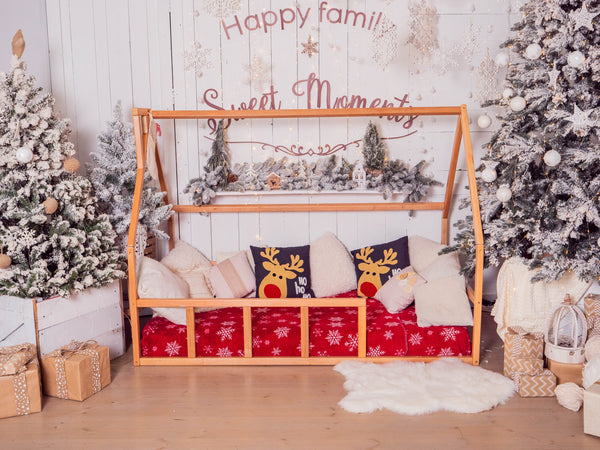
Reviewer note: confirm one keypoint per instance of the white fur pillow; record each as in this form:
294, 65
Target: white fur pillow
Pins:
191, 266
155, 280
443, 301
425, 258
398, 292
331, 267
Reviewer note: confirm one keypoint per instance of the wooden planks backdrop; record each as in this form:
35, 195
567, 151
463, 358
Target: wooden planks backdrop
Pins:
102, 51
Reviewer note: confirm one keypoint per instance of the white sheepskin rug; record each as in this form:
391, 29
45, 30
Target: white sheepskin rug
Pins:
420, 388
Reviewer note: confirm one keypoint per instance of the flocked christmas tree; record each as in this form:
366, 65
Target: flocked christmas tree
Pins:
113, 178
539, 185
219, 157
373, 150
54, 240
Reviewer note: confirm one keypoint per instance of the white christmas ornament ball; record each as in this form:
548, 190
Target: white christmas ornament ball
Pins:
507, 93
24, 155
533, 51
575, 59
503, 194
552, 158
517, 104
484, 121
501, 59
488, 175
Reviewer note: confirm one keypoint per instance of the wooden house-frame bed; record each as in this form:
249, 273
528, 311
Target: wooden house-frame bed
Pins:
141, 121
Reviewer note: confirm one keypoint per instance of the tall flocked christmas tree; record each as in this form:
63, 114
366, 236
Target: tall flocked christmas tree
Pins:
113, 178
540, 179
373, 150
54, 240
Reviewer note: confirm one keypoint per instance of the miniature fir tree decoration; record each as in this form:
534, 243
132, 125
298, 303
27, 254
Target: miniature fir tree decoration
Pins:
540, 179
219, 157
373, 150
49, 253
113, 178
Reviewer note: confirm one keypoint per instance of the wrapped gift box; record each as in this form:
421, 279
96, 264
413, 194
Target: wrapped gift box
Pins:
20, 382
591, 410
541, 385
566, 373
76, 371
520, 344
591, 304
527, 366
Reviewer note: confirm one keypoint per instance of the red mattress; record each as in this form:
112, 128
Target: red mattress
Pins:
333, 332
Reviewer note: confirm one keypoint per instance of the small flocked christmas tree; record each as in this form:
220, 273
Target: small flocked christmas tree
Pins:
113, 177
540, 178
373, 150
219, 157
54, 239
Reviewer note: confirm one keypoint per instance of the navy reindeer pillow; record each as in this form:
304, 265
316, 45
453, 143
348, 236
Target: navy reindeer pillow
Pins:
282, 272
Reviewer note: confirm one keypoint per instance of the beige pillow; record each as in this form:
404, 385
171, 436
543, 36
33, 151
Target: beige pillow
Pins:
424, 252
155, 280
398, 292
443, 302
233, 277
222, 256
193, 267
331, 267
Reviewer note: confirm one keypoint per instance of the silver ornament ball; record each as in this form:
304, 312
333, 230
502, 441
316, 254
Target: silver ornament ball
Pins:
576, 59
507, 93
503, 194
484, 121
24, 155
488, 175
517, 103
552, 158
533, 51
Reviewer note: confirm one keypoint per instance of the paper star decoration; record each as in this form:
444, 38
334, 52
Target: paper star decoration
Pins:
583, 18
310, 48
553, 75
581, 120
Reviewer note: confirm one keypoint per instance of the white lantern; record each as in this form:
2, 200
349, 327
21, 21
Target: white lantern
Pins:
533, 51
488, 175
501, 59
566, 334
517, 104
503, 194
576, 59
484, 121
552, 158
507, 93
24, 155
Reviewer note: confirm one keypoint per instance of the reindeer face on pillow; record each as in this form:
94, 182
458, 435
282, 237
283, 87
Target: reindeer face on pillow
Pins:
376, 264
282, 272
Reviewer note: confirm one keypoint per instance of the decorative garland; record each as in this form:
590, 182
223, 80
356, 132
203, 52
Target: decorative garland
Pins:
325, 174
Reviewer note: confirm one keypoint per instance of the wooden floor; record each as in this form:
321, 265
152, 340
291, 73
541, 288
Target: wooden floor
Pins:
277, 407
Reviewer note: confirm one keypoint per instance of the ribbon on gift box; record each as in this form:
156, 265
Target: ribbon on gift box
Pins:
62, 354
13, 362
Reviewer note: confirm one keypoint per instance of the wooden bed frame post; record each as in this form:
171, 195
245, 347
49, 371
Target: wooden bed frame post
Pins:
141, 123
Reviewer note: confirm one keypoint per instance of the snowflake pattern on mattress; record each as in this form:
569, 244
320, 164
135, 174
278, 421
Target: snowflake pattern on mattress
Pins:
333, 332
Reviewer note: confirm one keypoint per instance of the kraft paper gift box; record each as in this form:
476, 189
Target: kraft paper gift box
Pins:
591, 306
76, 371
20, 381
566, 373
541, 385
519, 343
527, 366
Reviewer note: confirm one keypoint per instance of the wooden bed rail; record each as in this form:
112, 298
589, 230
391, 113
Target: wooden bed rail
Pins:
141, 121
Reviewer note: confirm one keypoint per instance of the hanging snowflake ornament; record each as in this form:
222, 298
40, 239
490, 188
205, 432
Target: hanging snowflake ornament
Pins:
222, 8
581, 120
582, 18
385, 42
423, 29
487, 79
259, 73
310, 48
197, 59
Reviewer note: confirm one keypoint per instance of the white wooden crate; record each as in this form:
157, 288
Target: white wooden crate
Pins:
51, 323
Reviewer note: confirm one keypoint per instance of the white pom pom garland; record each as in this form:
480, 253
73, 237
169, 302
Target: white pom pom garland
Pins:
569, 395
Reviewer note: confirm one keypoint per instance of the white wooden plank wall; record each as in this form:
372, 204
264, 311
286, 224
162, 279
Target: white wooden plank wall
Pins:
102, 51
